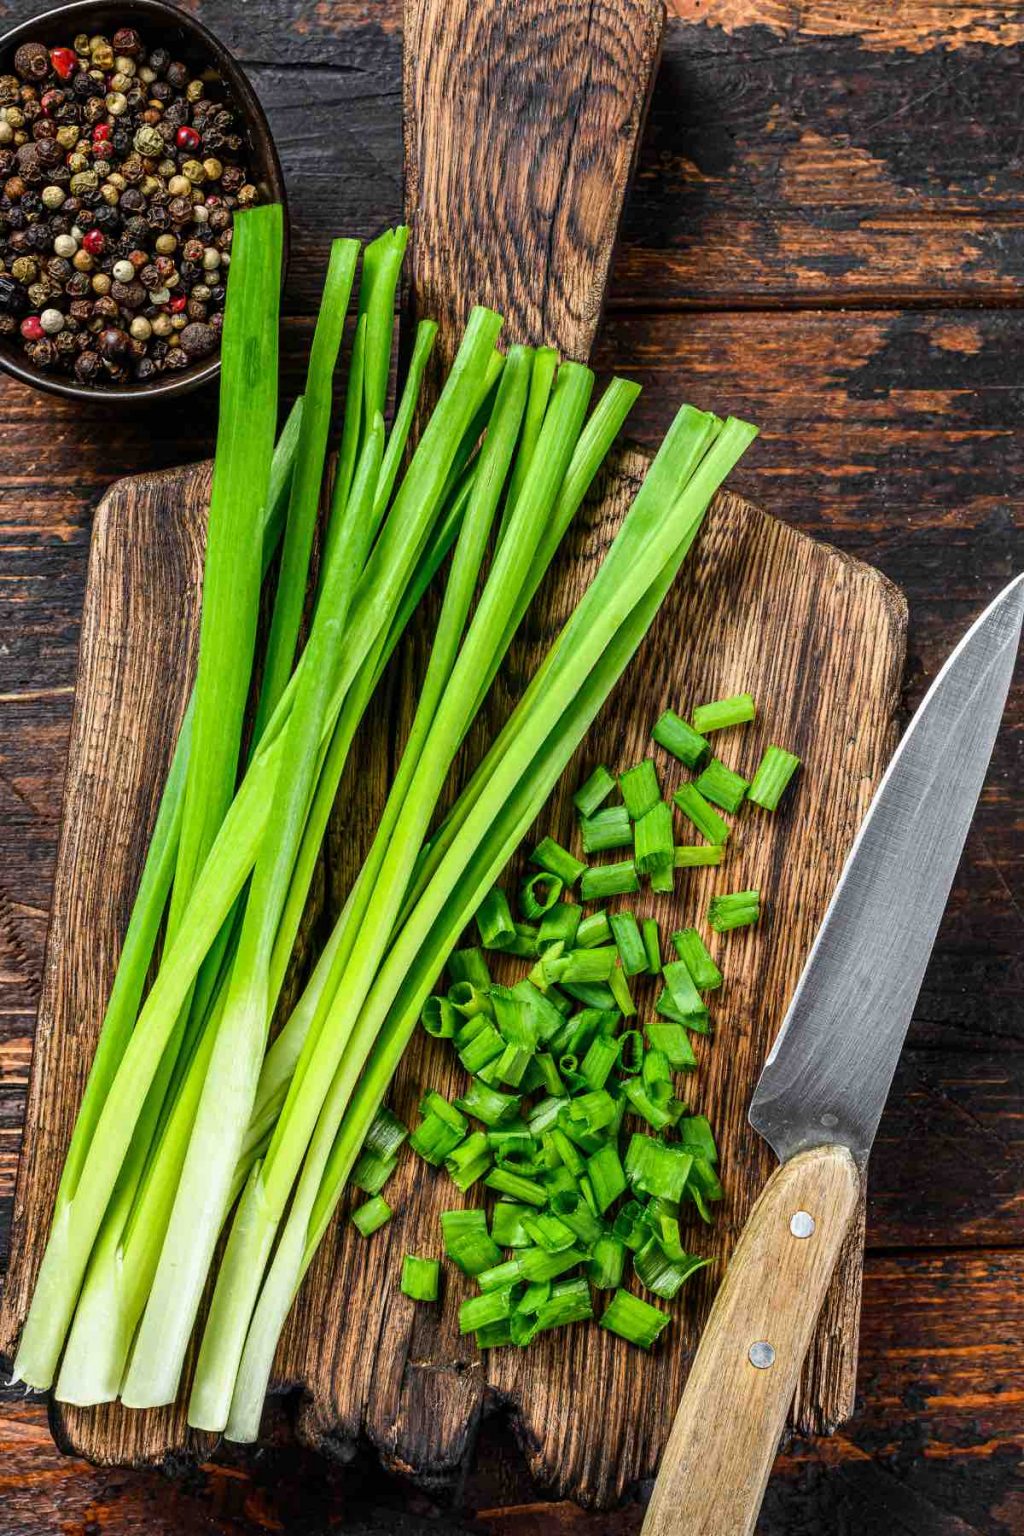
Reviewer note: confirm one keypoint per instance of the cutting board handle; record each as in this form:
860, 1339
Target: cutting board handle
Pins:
727, 1429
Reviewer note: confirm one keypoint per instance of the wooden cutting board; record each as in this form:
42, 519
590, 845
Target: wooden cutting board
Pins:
522, 119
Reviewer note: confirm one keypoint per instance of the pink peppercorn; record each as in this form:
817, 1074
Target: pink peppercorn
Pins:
31, 328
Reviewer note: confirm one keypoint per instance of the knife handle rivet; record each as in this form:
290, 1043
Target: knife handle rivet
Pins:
761, 1354
801, 1224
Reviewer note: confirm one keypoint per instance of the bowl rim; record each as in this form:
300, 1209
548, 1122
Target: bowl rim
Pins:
270, 169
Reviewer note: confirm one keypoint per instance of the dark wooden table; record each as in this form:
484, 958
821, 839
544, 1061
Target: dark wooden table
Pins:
826, 235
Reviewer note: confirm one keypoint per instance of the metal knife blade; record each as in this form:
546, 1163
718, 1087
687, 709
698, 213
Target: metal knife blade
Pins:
829, 1072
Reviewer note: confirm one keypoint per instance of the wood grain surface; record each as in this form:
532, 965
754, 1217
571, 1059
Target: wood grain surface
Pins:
892, 432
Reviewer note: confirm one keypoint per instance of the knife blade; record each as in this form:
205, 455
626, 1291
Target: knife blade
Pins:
821, 1094
828, 1074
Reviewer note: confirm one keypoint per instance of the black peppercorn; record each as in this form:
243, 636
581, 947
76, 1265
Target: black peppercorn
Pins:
177, 75
87, 367
145, 369
114, 344
13, 298
159, 59
32, 62
176, 359
126, 43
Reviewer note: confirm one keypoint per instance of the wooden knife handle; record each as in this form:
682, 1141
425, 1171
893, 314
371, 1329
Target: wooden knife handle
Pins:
727, 1429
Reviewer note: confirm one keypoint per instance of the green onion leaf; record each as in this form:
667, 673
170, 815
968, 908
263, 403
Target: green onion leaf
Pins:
723, 713
773, 775
737, 910
721, 785
371, 1215
594, 792
603, 880
681, 740
704, 816
606, 829
640, 789
558, 861
421, 1278
692, 951
652, 839
634, 1319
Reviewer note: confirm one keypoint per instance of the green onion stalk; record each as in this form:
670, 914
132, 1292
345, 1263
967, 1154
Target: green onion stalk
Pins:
432, 929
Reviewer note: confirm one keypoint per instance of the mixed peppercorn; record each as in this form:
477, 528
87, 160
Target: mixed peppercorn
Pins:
120, 171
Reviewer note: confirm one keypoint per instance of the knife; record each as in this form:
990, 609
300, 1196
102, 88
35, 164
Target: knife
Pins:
824, 1085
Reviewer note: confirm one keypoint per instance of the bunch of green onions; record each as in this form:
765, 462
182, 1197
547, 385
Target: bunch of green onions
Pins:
194, 1117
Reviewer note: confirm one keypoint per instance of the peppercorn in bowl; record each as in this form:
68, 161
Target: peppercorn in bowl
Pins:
129, 137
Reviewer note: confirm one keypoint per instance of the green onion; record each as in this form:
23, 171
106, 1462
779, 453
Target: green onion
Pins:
604, 880
721, 785
652, 944
594, 792
737, 910
619, 987
663, 880
421, 1278
593, 930
371, 1215
640, 789
467, 1242
633, 1319
371, 1171
658, 1112
606, 829
480, 1311
652, 836
631, 1051
559, 926
470, 1001
668, 1010
494, 920
469, 1161
487, 1104
469, 965
692, 951
723, 713
558, 861
681, 740
539, 893
439, 1018
597, 1064
606, 1263
663, 1275
704, 816
522, 941
655, 1168
549, 1232
674, 1042
516, 1186
569, 1302
696, 1135
606, 1175
440, 1131
507, 1224
680, 987
773, 774
699, 856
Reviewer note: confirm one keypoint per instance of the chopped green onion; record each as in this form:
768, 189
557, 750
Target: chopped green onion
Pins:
631, 1051
558, 861
584, 965
656, 1075
634, 1319
619, 988
548, 1075
663, 1275
699, 855
487, 1104
539, 893
663, 880
574, 1210
721, 785
386, 1134
606, 1175
558, 926
569, 1302
371, 1215
516, 1186
469, 965
611, 828
652, 839
593, 930
549, 1232
652, 944
494, 920
640, 788
656, 1168
685, 998
507, 1224
672, 1039
440, 1131
658, 1112
723, 713
371, 1172
594, 792
522, 941
469, 1161
439, 1018
696, 1136
668, 1010
601, 1057
681, 740
470, 1001
606, 1263
604, 880
421, 1278
467, 1242
692, 951
495, 1335
773, 774
737, 910
704, 816
589, 1112
480, 1311
486, 1045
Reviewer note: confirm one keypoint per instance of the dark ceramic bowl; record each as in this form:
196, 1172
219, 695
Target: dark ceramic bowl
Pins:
186, 40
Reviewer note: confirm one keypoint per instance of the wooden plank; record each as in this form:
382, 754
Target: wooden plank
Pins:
937, 1433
